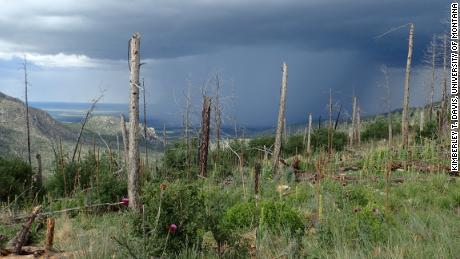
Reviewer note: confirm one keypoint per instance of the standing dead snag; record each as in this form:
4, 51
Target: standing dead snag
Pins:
204, 143
444, 102
37, 179
279, 128
309, 134
26, 83
354, 131
83, 124
358, 125
387, 99
188, 106
257, 168
329, 130
217, 113
304, 141
337, 119
164, 137
405, 114
422, 120
432, 51
133, 152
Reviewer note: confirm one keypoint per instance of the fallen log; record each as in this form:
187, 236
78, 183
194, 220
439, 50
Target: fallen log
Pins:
45, 214
21, 238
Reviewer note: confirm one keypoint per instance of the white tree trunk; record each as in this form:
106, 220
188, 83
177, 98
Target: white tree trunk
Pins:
133, 157
405, 115
309, 134
329, 128
354, 138
422, 119
358, 125
433, 76
279, 128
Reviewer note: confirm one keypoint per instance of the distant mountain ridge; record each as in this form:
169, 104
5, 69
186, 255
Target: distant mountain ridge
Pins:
13, 132
47, 132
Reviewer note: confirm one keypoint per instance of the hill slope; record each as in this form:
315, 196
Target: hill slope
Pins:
43, 128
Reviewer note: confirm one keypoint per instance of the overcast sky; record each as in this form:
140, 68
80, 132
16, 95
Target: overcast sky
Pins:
77, 47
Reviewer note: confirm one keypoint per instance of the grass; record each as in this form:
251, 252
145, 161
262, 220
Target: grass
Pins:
418, 217
423, 222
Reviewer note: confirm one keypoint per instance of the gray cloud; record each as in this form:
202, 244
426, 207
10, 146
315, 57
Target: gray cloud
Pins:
326, 44
178, 28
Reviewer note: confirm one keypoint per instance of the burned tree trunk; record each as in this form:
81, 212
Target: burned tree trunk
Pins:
337, 118
433, 76
26, 84
329, 130
279, 128
217, 114
304, 141
37, 180
204, 143
49, 234
257, 168
387, 100
405, 114
164, 137
133, 152
309, 134
187, 124
358, 125
21, 238
83, 124
353, 123
443, 88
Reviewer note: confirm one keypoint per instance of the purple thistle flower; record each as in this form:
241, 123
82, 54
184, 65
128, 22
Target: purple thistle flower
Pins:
172, 228
124, 201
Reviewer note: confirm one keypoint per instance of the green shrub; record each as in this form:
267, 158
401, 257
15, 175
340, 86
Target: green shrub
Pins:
294, 145
271, 215
181, 204
15, 178
97, 177
260, 142
241, 216
278, 216
365, 227
175, 156
429, 131
174, 162
353, 196
369, 225
319, 139
379, 129
217, 203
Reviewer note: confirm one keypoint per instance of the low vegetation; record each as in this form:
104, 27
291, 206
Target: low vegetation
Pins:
370, 211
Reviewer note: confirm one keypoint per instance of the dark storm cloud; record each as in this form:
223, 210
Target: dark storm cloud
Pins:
174, 28
327, 44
